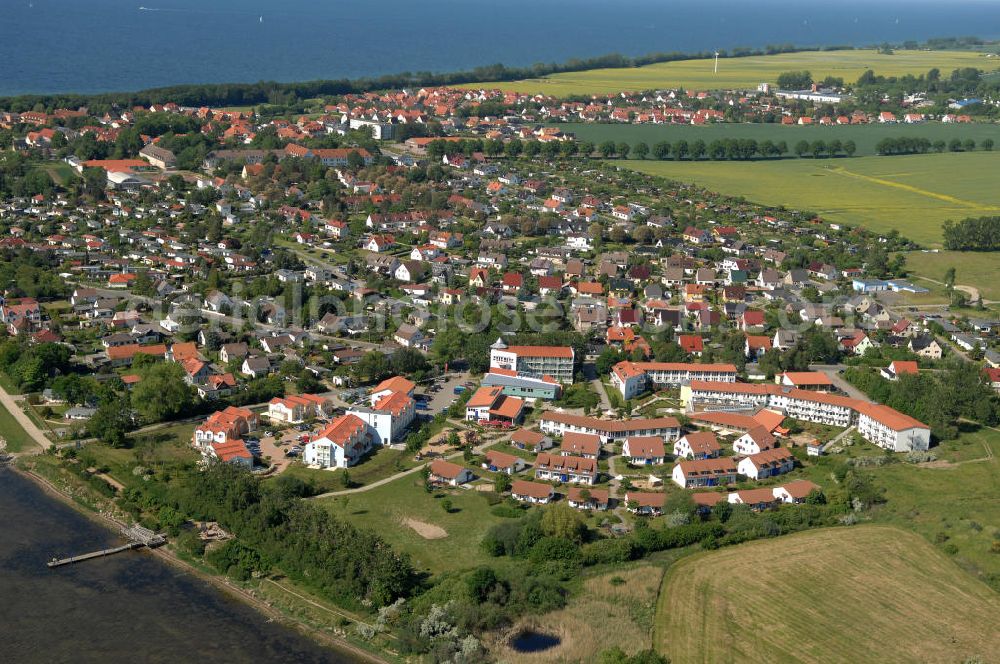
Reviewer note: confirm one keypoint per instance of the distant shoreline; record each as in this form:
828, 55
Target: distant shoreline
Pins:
221, 94
219, 583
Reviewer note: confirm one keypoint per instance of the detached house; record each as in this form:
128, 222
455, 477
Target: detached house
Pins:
446, 472
697, 445
531, 492
588, 499
499, 462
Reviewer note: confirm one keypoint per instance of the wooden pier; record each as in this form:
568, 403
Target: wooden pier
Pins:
137, 536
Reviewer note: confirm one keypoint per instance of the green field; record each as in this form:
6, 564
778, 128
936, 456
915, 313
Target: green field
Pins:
165, 446
745, 73
17, 438
951, 502
861, 594
972, 268
865, 137
913, 194
384, 509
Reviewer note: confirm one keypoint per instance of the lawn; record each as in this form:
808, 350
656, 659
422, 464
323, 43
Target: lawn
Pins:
162, 447
867, 593
745, 73
380, 464
60, 172
17, 438
953, 504
385, 509
865, 137
979, 269
913, 194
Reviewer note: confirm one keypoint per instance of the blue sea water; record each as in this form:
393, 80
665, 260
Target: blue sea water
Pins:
115, 45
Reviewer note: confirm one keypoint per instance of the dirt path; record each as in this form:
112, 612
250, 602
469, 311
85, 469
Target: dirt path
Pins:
36, 434
971, 291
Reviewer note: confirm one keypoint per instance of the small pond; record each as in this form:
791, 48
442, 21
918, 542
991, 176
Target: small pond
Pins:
529, 641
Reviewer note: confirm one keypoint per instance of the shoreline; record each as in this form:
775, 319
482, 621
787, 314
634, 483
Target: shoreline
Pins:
219, 583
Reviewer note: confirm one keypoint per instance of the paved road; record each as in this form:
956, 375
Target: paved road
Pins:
839, 437
10, 403
833, 371
595, 382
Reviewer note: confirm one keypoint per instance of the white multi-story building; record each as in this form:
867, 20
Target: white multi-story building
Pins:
536, 361
389, 417
881, 425
891, 429
633, 378
340, 445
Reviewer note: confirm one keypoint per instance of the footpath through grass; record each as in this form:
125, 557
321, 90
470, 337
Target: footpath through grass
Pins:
913, 194
16, 437
859, 594
745, 73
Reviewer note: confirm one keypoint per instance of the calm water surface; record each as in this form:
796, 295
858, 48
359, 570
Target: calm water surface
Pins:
102, 45
126, 608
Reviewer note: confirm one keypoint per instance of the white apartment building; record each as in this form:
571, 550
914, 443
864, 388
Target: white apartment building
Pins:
633, 378
878, 424
535, 361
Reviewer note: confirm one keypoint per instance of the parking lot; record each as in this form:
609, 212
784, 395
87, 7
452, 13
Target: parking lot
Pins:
441, 394
276, 446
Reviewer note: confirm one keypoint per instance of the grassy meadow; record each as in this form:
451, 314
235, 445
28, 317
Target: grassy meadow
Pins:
744, 73
612, 609
867, 593
865, 137
387, 510
913, 194
972, 268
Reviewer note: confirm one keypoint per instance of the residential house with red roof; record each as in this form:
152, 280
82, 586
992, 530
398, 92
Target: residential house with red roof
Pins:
644, 450
697, 445
451, 474
341, 444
